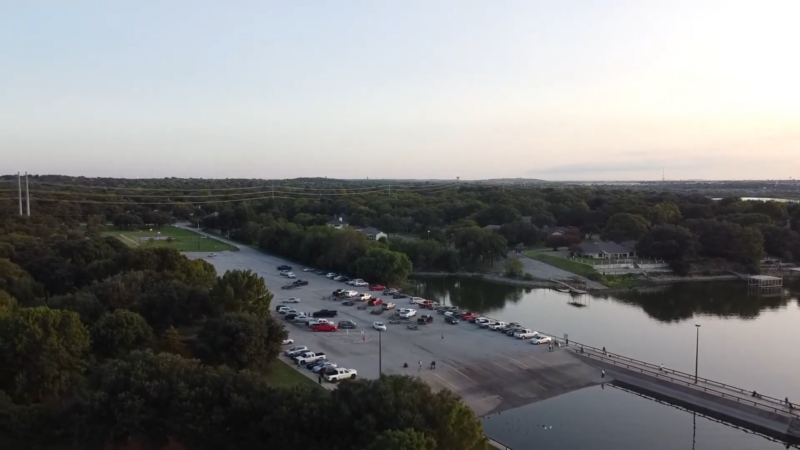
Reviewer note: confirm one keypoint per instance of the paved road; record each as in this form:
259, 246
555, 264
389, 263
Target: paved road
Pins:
491, 371
545, 271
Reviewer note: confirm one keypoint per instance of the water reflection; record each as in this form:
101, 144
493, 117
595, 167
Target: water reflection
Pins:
668, 303
612, 418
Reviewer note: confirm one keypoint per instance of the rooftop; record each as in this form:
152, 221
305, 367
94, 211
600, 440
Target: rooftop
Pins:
764, 278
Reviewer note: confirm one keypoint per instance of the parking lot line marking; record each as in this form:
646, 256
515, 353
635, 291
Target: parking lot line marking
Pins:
451, 384
460, 373
523, 365
502, 367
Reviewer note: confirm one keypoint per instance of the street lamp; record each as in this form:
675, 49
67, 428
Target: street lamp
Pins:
696, 352
380, 354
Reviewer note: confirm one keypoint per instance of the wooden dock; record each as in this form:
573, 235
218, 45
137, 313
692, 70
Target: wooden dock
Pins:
570, 289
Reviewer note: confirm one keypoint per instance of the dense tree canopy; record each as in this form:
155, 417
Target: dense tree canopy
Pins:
240, 341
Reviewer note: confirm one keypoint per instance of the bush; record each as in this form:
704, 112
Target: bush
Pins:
680, 267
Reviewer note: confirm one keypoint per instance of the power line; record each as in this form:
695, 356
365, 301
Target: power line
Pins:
271, 192
266, 186
202, 202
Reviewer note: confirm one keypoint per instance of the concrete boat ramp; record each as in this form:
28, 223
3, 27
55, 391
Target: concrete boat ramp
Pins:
511, 381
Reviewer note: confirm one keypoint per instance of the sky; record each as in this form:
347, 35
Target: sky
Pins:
564, 90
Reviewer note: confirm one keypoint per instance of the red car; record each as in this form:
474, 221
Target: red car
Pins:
324, 327
377, 287
469, 315
375, 302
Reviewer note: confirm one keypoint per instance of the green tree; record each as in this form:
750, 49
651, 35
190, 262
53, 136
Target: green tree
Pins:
240, 341
8, 304
19, 284
625, 226
666, 213
44, 353
407, 439
669, 243
794, 222
119, 332
170, 342
383, 265
243, 291
479, 245
514, 267
84, 303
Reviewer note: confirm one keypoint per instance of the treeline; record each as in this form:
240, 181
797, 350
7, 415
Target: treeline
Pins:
429, 211
104, 345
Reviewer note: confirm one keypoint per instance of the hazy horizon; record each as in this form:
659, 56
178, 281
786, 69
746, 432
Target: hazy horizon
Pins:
572, 91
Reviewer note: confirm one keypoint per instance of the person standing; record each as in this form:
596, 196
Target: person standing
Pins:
603, 374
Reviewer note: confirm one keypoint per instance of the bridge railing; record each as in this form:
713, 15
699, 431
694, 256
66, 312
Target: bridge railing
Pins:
775, 405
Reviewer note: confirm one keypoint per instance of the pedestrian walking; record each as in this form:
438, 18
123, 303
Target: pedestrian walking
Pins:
433, 365
661, 368
320, 379
602, 374
420, 364
442, 336
604, 351
550, 347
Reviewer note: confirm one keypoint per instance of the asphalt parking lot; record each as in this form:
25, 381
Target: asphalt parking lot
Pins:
491, 371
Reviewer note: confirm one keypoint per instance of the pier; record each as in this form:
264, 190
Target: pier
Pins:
762, 413
570, 289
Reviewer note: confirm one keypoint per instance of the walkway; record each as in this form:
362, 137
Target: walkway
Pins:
545, 271
723, 390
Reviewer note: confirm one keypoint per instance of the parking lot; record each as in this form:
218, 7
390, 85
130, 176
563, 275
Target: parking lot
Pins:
491, 371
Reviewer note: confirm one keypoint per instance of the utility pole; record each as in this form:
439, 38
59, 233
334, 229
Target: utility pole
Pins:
696, 352
19, 186
380, 354
28, 194
273, 190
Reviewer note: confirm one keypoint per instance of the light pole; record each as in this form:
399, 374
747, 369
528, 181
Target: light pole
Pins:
380, 354
696, 352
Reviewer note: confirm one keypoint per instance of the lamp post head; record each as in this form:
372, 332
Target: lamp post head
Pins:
697, 325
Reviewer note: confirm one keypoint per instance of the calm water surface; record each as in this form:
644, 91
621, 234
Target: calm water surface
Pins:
608, 418
745, 340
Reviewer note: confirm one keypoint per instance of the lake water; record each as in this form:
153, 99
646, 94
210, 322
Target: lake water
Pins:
745, 340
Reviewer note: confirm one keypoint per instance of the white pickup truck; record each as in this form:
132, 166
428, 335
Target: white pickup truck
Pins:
497, 326
309, 357
341, 374
525, 333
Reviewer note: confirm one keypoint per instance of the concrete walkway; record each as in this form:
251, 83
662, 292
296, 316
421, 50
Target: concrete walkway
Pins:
708, 386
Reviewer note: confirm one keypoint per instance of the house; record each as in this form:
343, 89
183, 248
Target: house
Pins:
373, 234
606, 250
339, 223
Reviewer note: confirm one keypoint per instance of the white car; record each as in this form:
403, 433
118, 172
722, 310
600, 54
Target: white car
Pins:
285, 311
488, 324
283, 273
358, 282
407, 313
291, 275
416, 300
364, 297
541, 340
308, 269
317, 321
299, 348
481, 320
341, 374
291, 300
211, 255
497, 326
350, 294
287, 341
302, 319
379, 326
332, 275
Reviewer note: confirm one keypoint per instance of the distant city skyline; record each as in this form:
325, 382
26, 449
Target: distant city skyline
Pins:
578, 91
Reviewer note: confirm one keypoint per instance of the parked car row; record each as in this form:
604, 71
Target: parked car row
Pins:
318, 362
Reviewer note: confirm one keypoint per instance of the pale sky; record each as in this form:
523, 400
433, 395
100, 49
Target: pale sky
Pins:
558, 90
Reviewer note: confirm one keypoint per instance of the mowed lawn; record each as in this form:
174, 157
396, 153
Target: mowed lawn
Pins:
180, 239
562, 263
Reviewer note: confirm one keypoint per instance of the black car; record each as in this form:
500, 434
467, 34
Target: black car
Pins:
424, 319
399, 295
313, 364
324, 313
451, 320
343, 279
320, 272
301, 283
338, 293
346, 324
348, 303
290, 286
290, 316
284, 267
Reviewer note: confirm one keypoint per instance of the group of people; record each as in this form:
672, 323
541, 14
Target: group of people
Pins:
433, 365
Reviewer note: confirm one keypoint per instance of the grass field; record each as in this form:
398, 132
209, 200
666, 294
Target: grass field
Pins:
282, 375
577, 268
180, 239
